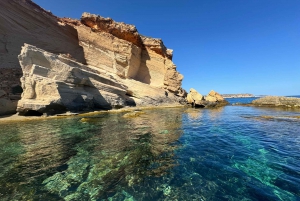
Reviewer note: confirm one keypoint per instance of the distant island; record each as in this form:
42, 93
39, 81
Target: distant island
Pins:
238, 95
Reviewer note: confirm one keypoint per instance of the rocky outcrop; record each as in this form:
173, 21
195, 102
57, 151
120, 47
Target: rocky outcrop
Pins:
54, 84
119, 48
213, 99
194, 97
22, 21
277, 101
111, 48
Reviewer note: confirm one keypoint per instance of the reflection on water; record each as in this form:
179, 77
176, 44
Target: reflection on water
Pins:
163, 154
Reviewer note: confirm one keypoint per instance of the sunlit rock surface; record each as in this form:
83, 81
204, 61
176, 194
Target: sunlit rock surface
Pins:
54, 84
112, 48
213, 99
277, 101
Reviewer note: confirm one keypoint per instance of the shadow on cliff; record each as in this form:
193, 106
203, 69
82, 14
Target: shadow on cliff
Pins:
143, 74
86, 97
28, 23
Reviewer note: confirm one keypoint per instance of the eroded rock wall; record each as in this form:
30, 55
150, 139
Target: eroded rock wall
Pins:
53, 83
110, 48
128, 53
22, 21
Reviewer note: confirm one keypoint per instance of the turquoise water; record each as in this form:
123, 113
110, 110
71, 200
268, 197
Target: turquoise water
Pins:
231, 153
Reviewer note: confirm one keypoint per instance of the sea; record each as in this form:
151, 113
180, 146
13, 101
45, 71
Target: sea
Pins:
234, 152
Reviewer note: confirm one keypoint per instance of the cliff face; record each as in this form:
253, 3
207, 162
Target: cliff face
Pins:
112, 49
22, 21
127, 53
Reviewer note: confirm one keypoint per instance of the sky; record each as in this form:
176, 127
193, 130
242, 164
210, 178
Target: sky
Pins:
230, 46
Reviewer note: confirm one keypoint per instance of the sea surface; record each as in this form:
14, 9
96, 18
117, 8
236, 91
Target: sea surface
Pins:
230, 153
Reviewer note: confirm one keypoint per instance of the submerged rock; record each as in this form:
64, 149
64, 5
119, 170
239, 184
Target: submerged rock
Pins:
133, 114
277, 101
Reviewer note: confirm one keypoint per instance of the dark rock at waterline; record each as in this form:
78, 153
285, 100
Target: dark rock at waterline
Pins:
277, 101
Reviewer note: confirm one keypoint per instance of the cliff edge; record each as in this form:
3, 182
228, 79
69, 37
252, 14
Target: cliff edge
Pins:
102, 57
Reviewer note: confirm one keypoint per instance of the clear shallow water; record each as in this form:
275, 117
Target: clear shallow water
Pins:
230, 153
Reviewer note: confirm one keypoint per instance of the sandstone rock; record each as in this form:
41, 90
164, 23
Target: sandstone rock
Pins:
24, 21
52, 84
157, 46
194, 97
111, 50
214, 96
120, 30
146, 95
213, 99
277, 101
119, 48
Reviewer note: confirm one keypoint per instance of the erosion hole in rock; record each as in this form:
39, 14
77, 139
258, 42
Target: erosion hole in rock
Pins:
32, 113
199, 106
17, 89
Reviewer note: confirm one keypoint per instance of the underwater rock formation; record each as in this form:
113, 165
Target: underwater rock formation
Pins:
277, 101
112, 48
213, 99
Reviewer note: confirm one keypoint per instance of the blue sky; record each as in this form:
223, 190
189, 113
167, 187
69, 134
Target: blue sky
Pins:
231, 46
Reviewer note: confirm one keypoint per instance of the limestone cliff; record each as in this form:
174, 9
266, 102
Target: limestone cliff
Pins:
111, 48
22, 21
54, 84
120, 49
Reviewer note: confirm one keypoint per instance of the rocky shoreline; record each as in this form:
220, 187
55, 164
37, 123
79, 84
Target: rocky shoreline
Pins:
95, 63
277, 101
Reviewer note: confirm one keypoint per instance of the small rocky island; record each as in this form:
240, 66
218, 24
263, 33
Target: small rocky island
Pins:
277, 101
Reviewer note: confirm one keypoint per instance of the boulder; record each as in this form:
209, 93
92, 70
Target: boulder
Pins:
277, 101
214, 97
194, 97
